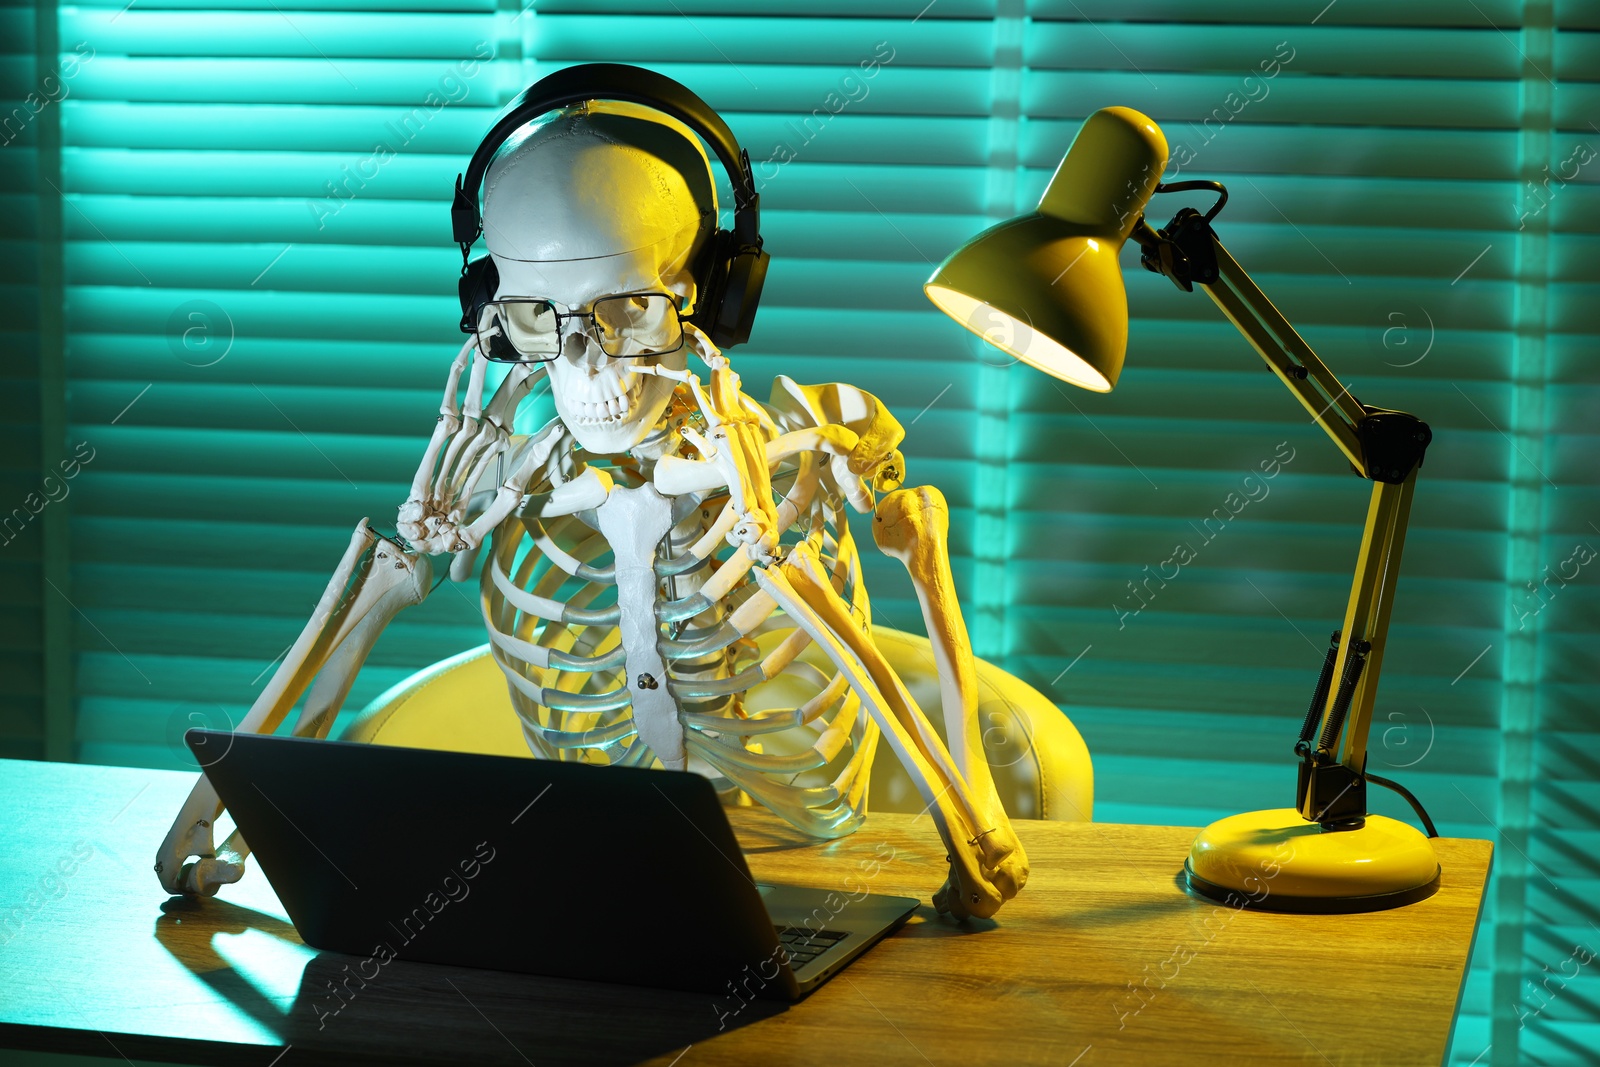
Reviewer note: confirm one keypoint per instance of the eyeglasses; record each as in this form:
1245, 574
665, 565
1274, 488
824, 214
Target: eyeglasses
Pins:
529, 329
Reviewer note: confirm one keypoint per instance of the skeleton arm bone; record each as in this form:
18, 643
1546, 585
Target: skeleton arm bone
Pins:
988, 865
912, 526
374, 580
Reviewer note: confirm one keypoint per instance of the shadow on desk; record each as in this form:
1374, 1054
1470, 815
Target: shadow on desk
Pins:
352, 1008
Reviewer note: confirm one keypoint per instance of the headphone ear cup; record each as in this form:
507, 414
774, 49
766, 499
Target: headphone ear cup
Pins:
478, 284
710, 277
746, 273
730, 281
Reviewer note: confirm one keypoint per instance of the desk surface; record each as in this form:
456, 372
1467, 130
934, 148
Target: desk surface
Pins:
1101, 960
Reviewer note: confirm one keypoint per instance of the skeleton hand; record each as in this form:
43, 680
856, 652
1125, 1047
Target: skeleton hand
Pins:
1005, 870
736, 442
191, 835
465, 441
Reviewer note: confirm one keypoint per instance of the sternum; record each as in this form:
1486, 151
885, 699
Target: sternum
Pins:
634, 521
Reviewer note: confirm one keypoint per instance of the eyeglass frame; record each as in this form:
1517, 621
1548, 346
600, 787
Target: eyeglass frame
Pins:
592, 330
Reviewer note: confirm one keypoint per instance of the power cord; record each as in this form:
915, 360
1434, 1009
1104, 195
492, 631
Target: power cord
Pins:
1416, 805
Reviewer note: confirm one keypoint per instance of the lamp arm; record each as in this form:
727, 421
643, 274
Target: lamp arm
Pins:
1188, 252
1385, 447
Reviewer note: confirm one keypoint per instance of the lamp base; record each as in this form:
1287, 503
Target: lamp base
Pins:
1277, 861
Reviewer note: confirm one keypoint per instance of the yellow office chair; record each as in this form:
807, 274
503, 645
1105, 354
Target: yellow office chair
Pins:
1040, 764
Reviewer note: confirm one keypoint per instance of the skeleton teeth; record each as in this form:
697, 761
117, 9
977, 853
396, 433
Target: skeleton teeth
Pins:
610, 409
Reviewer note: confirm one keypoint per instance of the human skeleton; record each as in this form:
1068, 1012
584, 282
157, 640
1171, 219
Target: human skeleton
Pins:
718, 522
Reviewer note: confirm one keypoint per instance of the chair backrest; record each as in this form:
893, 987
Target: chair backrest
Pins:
1040, 763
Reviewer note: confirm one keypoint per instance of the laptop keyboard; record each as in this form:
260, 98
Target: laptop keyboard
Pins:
804, 945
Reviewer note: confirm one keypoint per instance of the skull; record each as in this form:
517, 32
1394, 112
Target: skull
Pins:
590, 202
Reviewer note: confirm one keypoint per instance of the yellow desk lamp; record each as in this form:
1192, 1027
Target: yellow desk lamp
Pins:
1051, 282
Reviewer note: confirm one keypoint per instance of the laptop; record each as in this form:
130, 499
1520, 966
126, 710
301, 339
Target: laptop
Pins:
609, 874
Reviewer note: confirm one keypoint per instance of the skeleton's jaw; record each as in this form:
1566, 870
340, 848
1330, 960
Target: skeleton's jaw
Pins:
609, 402
611, 411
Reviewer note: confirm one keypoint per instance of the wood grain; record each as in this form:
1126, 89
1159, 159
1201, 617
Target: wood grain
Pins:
1101, 960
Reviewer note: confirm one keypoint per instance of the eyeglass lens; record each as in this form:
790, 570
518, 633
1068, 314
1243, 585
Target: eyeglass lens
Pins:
638, 324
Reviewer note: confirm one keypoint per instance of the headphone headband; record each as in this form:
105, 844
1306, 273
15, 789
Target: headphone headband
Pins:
628, 84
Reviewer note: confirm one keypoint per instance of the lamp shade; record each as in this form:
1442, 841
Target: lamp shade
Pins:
1047, 287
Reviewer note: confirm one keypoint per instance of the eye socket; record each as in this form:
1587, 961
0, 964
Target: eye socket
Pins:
638, 324
531, 326
529, 330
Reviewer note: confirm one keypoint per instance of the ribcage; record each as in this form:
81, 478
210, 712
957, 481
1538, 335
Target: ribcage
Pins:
760, 710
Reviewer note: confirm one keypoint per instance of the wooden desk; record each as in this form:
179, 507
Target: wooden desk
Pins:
99, 961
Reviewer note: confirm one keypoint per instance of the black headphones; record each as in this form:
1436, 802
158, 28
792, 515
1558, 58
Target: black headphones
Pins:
732, 267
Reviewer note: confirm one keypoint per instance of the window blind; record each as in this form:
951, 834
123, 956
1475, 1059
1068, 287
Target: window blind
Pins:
260, 285
21, 579
1547, 788
34, 653
255, 358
